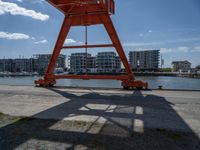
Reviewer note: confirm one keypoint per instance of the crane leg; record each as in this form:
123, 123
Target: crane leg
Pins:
49, 79
131, 82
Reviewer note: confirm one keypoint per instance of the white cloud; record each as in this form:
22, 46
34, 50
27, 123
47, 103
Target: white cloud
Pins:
38, 1
19, 1
176, 49
14, 36
41, 42
69, 41
156, 43
15, 9
182, 49
81, 42
141, 34
166, 50
142, 44
197, 49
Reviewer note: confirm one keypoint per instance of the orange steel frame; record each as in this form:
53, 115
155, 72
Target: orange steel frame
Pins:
86, 13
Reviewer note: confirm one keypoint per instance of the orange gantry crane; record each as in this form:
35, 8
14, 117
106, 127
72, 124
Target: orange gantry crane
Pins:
86, 13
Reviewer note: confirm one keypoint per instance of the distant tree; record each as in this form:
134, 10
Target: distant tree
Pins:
166, 70
198, 67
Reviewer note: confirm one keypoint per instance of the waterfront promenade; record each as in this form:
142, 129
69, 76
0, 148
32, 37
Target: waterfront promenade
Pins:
77, 118
169, 74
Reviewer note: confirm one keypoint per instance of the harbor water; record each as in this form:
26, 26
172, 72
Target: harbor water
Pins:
154, 82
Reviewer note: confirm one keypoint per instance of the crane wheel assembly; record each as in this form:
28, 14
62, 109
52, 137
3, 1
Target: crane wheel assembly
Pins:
87, 13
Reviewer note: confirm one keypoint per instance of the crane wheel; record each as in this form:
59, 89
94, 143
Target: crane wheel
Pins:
139, 88
126, 87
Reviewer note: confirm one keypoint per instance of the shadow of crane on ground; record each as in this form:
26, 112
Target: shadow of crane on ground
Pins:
133, 121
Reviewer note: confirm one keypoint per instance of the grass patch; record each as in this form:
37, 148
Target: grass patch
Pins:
7, 119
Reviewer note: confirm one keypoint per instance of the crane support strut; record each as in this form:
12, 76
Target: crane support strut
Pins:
86, 13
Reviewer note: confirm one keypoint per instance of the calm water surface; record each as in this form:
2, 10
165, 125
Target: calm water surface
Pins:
154, 82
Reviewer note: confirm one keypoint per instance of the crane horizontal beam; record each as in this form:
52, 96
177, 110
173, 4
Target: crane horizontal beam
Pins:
88, 77
87, 46
74, 7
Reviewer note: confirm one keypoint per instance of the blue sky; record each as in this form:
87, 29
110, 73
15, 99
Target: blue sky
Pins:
30, 27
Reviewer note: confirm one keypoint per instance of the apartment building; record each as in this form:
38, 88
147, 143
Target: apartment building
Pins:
80, 61
38, 63
146, 60
103, 62
181, 66
108, 62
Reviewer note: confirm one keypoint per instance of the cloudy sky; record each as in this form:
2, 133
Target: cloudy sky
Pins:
30, 27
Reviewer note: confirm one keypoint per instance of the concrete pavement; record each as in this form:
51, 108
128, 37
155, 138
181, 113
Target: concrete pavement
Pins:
113, 112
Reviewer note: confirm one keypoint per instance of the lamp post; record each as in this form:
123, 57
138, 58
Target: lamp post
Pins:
4, 64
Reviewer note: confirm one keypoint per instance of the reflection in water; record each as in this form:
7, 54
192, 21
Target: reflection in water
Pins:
154, 82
